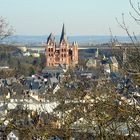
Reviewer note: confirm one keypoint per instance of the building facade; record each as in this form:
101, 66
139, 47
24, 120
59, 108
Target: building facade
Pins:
62, 53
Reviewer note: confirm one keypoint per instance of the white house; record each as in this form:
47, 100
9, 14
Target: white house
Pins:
13, 135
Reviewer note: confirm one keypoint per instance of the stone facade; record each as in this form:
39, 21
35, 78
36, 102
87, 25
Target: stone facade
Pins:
61, 54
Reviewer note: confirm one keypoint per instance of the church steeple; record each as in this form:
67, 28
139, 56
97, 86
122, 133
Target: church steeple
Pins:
63, 34
97, 53
51, 38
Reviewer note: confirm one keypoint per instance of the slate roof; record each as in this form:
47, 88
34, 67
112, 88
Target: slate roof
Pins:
53, 81
52, 70
3, 91
15, 132
51, 38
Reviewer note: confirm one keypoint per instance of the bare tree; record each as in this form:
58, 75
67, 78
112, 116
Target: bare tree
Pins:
5, 29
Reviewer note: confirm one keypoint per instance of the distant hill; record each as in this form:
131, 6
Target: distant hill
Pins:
41, 40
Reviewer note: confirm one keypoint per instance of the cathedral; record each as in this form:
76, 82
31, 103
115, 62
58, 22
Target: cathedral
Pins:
63, 53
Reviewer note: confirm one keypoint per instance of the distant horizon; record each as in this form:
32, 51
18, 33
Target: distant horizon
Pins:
41, 39
69, 35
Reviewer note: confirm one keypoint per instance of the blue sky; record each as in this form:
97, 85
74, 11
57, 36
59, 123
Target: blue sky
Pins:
81, 17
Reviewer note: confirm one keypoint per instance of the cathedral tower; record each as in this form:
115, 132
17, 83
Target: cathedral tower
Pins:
50, 50
62, 53
75, 53
64, 47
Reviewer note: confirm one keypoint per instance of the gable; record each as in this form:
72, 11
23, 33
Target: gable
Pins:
13, 134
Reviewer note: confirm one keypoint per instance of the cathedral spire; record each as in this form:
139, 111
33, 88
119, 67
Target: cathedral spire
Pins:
51, 38
63, 34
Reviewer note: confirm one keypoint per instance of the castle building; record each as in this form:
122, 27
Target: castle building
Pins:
63, 53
